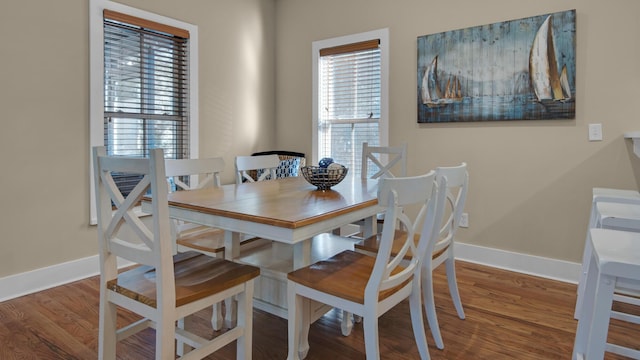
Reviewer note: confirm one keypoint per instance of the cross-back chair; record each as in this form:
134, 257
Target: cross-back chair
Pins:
378, 162
382, 160
245, 164
192, 174
457, 180
163, 288
369, 286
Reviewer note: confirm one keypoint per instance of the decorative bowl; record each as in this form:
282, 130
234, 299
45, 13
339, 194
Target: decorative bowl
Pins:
324, 178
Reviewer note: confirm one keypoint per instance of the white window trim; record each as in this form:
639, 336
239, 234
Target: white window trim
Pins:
96, 79
383, 125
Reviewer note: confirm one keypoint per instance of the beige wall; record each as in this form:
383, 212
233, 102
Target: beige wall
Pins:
44, 141
530, 180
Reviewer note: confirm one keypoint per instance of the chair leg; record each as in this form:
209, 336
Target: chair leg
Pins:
305, 325
597, 341
430, 305
347, 323
450, 264
231, 312
371, 343
593, 323
165, 338
217, 317
586, 257
415, 305
181, 347
108, 328
245, 319
294, 302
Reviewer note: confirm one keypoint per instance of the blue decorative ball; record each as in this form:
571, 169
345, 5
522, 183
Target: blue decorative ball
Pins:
325, 162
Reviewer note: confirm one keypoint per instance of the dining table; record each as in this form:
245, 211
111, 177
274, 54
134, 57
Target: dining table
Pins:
294, 215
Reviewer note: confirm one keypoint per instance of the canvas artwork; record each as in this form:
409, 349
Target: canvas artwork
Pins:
514, 70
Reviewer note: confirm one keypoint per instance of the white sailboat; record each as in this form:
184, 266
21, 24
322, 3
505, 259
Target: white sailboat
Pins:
432, 96
547, 84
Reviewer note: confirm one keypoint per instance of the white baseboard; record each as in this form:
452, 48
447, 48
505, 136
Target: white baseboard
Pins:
560, 270
25, 283
17, 285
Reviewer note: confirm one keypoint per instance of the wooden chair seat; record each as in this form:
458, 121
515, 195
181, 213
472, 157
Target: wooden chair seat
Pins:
209, 240
196, 276
344, 275
371, 245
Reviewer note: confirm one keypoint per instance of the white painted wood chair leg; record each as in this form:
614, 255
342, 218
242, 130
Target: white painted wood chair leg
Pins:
415, 306
586, 258
305, 325
430, 307
107, 336
597, 341
586, 315
453, 286
245, 320
165, 329
371, 342
231, 312
347, 323
295, 319
180, 345
217, 317
590, 342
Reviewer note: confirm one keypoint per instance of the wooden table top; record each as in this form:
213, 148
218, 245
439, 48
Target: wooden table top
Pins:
289, 203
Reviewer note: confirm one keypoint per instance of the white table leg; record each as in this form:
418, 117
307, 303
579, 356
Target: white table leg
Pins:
302, 254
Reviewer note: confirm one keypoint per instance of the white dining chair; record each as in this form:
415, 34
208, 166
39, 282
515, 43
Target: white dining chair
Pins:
370, 286
613, 265
457, 180
267, 164
163, 288
380, 161
615, 209
193, 174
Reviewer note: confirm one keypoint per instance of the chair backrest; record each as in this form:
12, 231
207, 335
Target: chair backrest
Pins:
384, 158
149, 246
179, 169
457, 186
290, 162
200, 172
268, 163
396, 194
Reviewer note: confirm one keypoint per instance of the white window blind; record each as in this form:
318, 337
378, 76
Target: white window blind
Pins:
349, 95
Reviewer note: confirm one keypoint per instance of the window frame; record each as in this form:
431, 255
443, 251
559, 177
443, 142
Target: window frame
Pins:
96, 79
383, 125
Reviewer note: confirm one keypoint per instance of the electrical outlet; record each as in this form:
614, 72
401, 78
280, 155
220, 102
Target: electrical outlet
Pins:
464, 220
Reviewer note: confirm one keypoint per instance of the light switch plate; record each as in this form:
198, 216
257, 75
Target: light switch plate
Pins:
595, 132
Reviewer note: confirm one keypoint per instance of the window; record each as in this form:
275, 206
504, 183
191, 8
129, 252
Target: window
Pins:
143, 84
145, 87
350, 102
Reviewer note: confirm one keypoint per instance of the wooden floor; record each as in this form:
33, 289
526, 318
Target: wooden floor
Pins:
508, 316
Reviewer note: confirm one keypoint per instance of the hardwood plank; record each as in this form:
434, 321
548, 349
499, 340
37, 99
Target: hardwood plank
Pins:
508, 316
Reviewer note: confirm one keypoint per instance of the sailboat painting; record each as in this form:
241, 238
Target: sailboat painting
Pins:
514, 70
